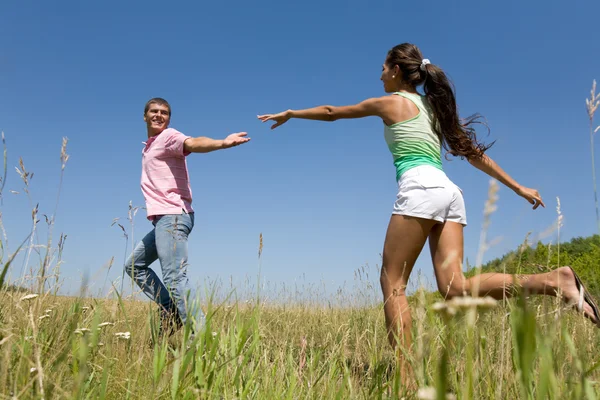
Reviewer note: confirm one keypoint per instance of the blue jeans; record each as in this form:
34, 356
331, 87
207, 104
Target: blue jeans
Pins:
168, 242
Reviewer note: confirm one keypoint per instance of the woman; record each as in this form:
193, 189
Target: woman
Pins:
428, 204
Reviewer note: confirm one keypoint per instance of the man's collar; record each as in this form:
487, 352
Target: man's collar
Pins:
152, 138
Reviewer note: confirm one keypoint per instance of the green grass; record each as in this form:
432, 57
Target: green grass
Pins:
298, 351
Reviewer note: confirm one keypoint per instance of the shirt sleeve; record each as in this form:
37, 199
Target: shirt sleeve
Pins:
174, 143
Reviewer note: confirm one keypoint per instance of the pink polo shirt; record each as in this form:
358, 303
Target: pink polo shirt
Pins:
165, 180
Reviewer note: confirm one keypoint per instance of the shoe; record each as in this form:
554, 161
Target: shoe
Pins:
585, 296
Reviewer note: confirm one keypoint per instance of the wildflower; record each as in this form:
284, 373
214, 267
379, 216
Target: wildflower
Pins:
29, 297
64, 157
428, 393
123, 335
472, 302
451, 307
444, 309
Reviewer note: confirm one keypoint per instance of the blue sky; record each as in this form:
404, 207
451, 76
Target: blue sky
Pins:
320, 193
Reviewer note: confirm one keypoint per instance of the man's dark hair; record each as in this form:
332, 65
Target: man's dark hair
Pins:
157, 100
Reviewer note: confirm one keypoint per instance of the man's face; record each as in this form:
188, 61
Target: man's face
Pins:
157, 118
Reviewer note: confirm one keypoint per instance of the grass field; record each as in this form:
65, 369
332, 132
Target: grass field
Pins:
64, 347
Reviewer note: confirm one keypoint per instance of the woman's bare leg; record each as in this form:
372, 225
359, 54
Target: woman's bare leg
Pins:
446, 243
404, 241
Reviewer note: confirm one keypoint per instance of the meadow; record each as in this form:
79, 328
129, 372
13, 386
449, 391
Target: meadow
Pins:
82, 347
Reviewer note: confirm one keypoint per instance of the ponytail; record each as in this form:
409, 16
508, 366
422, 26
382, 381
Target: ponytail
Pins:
458, 137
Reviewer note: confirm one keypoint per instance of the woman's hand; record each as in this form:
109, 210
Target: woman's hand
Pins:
279, 119
531, 195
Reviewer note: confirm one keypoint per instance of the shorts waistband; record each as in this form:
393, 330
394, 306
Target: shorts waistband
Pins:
422, 170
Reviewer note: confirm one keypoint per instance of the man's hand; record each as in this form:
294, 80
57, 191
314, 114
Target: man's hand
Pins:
235, 139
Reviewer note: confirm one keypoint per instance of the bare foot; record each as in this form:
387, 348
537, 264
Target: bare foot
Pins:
565, 281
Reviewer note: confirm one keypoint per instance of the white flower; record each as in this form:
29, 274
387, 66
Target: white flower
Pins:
439, 306
470, 302
102, 325
214, 334
32, 370
451, 307
429, 393
444, 308
29, 297
123, 335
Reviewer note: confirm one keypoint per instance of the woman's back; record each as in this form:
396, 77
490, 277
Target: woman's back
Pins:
413, 142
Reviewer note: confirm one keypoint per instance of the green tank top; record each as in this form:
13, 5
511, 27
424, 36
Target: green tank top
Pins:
413, 142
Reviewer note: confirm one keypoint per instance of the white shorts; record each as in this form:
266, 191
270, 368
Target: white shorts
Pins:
427, 192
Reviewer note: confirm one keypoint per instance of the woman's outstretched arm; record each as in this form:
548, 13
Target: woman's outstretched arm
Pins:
371, 107
489, 166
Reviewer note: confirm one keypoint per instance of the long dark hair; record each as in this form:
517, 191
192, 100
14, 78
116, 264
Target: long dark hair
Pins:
458, 137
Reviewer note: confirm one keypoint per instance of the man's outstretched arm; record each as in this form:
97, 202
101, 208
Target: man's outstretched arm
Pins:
204, 144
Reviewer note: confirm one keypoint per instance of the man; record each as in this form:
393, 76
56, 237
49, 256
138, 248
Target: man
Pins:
168, 196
